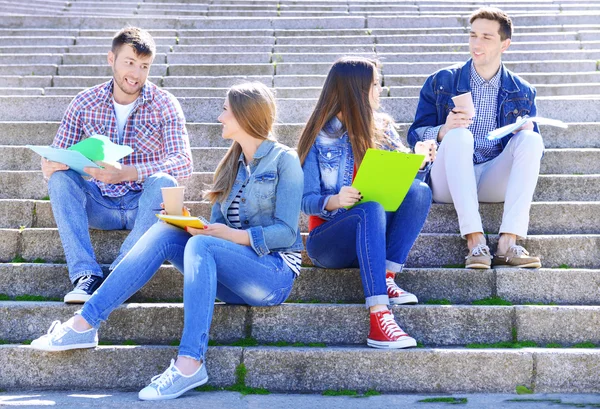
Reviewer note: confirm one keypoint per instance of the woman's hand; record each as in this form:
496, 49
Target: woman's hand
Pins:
222, 231
347, 197
184, 212
427, 148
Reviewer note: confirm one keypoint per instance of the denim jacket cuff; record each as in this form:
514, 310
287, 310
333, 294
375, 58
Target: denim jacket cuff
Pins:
257, 240
326, 213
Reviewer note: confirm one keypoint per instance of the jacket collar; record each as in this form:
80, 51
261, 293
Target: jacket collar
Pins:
262, 151
507, 81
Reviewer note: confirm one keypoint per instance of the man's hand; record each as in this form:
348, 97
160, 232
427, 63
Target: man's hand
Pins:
49, 167
528, 126
113, 174
457, 118
427, 148
347, 197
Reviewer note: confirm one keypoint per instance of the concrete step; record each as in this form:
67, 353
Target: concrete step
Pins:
35, 81
206, 159
290, 369
577, 135
459, 286
331, 324
430, 249
550, 188
52, 108
545, 217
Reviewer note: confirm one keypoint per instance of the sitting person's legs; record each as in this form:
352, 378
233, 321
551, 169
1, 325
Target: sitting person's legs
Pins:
233, 273
511, 178
453, 181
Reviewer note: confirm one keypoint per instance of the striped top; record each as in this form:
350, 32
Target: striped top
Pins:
293, 259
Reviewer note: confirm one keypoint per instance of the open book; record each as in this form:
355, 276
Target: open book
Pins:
505, 130
197, 222
84, 153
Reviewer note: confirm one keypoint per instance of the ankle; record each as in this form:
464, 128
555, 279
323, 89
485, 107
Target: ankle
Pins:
378, 308
505, 242
475, 239
78, 323
187, 366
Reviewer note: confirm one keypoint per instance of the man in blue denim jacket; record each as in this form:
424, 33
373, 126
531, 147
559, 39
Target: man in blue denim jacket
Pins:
470, 168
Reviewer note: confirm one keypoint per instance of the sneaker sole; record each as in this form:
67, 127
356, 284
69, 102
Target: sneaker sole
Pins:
63, 348
76, 299
401, 343
174, 395
478, 266
404, 299
534, 264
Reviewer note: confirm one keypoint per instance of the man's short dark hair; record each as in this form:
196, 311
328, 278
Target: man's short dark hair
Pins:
141, 41
495, 14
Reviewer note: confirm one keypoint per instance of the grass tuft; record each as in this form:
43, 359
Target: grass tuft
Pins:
39, 261
453, 266
450, 400
371, 392
523, 390
18, 259
494, 300
245, 342
240, 384
584, 345
443, 301
4, 297
340, 392
553, 345
207, 388
504, 344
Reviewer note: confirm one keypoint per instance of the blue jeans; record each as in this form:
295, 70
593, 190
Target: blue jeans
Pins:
213, 268
372, 239
78, 205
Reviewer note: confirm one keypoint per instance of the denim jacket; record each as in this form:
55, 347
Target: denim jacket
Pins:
329, 166
516, 97
270, 202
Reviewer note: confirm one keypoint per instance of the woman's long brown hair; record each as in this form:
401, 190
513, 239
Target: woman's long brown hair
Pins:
346, 90
253, 106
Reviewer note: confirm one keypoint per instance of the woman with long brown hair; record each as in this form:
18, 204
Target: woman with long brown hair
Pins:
249, 253
343, 125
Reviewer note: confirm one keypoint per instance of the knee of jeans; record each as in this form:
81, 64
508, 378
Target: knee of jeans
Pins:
419, 193
372, 211
64, 179
160, 179
196, 251
460, 138
529, 141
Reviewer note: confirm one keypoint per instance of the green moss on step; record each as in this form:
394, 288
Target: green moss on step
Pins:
443, 301
18, 259
523, 390
495, 300
245, 342
584, 345
451, 400
240, 383
340, 392
504, 344
553, 345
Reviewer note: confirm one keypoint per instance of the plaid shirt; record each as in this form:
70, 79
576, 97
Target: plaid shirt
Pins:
155, 130
485, 99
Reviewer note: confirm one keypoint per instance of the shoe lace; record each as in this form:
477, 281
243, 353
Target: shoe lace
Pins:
166, 378
480, 250
393, 288
55, 327
517, 251
85, 283
389, 325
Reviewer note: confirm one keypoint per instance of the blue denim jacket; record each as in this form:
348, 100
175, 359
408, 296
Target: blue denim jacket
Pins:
270, 202
329, 166
516, 97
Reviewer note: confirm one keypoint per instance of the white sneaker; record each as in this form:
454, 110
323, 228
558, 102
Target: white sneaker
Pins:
172, 383
61, 337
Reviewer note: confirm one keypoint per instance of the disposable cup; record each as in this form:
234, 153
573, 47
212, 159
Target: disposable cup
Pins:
173, 200
465, 101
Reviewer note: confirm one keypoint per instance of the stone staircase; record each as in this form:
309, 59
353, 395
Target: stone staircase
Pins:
50, 50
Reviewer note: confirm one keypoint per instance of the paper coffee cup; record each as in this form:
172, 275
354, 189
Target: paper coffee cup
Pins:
173, 200
465, 101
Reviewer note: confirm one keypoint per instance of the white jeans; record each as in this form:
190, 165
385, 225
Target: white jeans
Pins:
511, 178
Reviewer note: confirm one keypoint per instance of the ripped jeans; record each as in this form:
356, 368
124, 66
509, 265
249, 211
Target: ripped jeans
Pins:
213, 268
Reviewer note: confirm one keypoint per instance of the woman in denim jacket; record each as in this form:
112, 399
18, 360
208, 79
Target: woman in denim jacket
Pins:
341, 128
248, 254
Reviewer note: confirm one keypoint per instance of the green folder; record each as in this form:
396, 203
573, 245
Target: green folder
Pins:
386, 176
100, 148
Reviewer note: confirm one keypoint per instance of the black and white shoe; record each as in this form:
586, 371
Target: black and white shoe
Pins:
84, 288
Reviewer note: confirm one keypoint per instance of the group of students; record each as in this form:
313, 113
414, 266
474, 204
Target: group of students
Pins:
250, 252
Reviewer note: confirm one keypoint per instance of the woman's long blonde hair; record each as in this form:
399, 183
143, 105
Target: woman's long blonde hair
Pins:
347, 90
253, 106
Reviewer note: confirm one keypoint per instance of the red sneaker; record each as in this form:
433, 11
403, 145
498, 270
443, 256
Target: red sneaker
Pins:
385, 332
396, 294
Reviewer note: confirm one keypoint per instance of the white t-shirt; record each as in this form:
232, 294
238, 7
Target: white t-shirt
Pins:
122, 113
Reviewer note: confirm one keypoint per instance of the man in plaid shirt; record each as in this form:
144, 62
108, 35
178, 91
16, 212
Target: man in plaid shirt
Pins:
470, 168
130, 111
